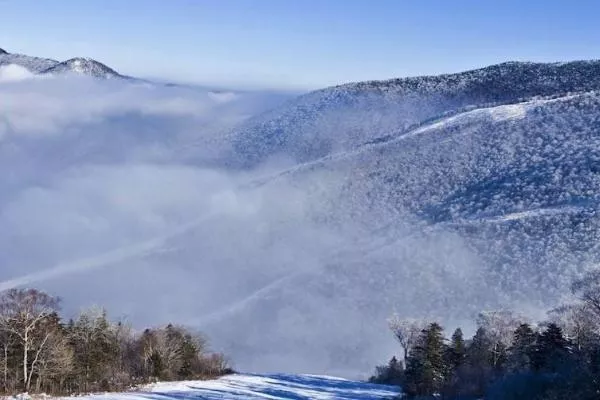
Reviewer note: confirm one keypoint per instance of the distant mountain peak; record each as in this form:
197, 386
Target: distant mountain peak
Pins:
84, 66
2, 51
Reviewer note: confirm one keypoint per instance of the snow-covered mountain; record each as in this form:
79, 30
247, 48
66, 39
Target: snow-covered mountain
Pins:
342, 117
289, 237
83, 66
46, 66
34, 64
472, 190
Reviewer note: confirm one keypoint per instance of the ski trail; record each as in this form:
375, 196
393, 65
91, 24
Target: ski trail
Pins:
510, 111
144, 248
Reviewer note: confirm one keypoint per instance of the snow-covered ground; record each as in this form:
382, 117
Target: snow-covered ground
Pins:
248, 387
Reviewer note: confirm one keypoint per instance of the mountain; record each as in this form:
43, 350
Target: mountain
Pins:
343, 117
291, 237
34, 64
83, 66
46, 66
466, 191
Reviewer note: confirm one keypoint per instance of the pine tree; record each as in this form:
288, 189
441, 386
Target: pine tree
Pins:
522, 351
426, 369
455, 358
457, 350
479, 362
552, 349
390, 374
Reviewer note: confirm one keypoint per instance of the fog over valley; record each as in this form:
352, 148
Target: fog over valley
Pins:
289, 228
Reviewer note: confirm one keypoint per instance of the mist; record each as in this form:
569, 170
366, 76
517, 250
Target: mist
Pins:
116, 194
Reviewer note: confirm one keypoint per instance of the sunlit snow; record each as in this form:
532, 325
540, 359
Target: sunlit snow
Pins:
254, 387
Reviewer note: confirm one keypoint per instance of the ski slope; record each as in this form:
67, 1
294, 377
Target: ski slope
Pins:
249, 387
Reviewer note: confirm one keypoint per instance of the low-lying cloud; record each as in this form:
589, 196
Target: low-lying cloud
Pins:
14, 73
109, 195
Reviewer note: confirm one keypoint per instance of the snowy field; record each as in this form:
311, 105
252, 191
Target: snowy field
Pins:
248, 387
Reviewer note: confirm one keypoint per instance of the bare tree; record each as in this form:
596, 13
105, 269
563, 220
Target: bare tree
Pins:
56, 362
214, 364
23, 313
579, 323
588, 290
6, 343
407, 332
39, 352
499, 325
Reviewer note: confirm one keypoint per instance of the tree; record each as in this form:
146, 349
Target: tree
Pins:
56, 363
426, 369
6, 341
93, 340
479, 363
521, 353
579, 323
551, 349
588, 290
455, 358
499, 327
390, 374
38, 352
407, 332
24, 313
457, 350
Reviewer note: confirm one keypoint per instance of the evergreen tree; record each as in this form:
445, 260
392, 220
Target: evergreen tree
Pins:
457, 350
390, 374
455, 359
479, 368
522, 351
426, 368
551, 349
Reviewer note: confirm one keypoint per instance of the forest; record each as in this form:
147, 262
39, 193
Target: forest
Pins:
43, 353
508, 357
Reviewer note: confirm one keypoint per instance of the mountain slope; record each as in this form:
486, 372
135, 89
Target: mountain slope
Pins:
34, 64
488, 208
83, 66
342, 117
45, 66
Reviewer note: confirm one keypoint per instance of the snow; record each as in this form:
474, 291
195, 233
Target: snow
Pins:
535, 213
33, 64
83, 66
513, 111
249, 387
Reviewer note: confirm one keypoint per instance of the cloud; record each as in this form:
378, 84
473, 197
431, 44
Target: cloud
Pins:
14, 73
111, 194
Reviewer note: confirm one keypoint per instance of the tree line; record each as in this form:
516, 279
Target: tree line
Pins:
41, 352
507, 358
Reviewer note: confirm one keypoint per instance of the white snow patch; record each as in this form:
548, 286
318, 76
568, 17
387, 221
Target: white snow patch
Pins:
513, 111
250, 387
539, 212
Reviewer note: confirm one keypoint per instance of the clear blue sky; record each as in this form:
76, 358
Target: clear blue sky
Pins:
300, 43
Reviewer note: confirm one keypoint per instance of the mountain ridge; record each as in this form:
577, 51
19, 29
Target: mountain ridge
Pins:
46, 66
84, 66
365, 111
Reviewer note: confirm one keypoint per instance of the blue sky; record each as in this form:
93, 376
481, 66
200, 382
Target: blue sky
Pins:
300, 43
